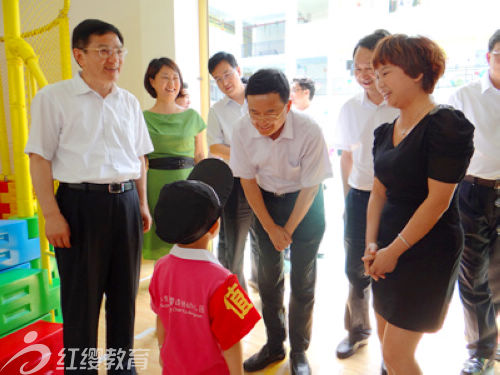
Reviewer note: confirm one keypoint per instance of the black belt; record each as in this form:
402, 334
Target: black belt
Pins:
271, 194
113, 188
180, 162
483, 182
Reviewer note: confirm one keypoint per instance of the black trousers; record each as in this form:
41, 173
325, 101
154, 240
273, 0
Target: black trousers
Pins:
356, 317
235, 226
104, 258
480, 219
271, 280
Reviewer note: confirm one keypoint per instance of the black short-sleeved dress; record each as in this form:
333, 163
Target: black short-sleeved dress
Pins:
415, 296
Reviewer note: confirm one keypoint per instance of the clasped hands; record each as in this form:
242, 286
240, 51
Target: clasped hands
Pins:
279, 236
378, 263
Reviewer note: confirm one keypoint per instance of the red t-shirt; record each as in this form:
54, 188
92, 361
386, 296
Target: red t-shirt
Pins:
203, 308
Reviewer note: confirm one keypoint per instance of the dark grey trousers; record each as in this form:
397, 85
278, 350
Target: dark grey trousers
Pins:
480, 219
303, 250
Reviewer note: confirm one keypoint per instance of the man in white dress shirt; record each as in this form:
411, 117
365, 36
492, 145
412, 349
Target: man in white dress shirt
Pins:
282, 159
358, 119
479, 202
90, 135
302, 93
223, 116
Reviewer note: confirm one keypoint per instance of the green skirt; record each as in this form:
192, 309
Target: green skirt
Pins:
154, 247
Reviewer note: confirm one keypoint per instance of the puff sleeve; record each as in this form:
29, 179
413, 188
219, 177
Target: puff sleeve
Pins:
378, 136
450, 145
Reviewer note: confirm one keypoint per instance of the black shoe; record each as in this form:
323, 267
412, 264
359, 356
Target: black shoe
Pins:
383, 369
299, 364
478, 366
346, 348
264, 358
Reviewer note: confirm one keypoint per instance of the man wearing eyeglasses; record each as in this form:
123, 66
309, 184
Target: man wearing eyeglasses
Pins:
237, 216
90, 135
281, 158
479, 202
302, 93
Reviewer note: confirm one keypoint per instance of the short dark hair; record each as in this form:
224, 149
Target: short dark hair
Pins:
371, 40
495, 38
154, 67
266, 81
306, 84
182, 92
88, 27
415, 55
221, 56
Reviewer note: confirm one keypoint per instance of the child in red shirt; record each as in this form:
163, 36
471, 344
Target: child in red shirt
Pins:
202, 311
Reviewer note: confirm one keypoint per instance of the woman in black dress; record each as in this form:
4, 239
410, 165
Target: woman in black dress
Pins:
414, 237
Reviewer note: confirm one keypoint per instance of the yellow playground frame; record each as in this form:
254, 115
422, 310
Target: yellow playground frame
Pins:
20, 55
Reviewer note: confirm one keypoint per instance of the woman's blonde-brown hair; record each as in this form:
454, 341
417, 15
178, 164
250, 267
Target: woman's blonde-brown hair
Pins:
415, 55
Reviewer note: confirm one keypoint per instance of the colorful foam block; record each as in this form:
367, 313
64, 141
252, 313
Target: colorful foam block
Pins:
25, 296
15, 245
32, 224
36, 346
22, 266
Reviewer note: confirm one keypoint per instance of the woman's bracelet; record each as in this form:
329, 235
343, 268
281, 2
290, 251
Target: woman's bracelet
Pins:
400, 236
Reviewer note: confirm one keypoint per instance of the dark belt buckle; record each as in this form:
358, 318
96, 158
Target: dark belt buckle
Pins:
116, 188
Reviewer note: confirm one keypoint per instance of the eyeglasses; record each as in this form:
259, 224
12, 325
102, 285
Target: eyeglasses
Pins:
496, 53
106, 52
268, 118
224, 77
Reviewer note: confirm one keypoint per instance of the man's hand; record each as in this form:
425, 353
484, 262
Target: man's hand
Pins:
146, 218
57, 230
280, 238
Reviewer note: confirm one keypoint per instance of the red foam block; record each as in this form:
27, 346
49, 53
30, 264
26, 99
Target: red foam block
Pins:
32, 350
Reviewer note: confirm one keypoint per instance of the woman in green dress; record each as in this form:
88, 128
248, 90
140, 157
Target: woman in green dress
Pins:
178, 136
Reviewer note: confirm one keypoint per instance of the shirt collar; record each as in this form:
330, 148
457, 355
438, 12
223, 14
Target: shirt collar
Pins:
486, 83
193, 254
226, 100
365, 101
81, 87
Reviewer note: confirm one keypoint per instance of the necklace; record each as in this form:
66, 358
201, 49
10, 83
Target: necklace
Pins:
415, 120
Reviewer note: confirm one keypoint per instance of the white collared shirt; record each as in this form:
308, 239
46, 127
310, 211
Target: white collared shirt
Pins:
358, 118
88, 138
222, 118
194, 254
480, 103
297, 159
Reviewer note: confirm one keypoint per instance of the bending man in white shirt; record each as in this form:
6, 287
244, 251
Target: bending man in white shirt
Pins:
282, 160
